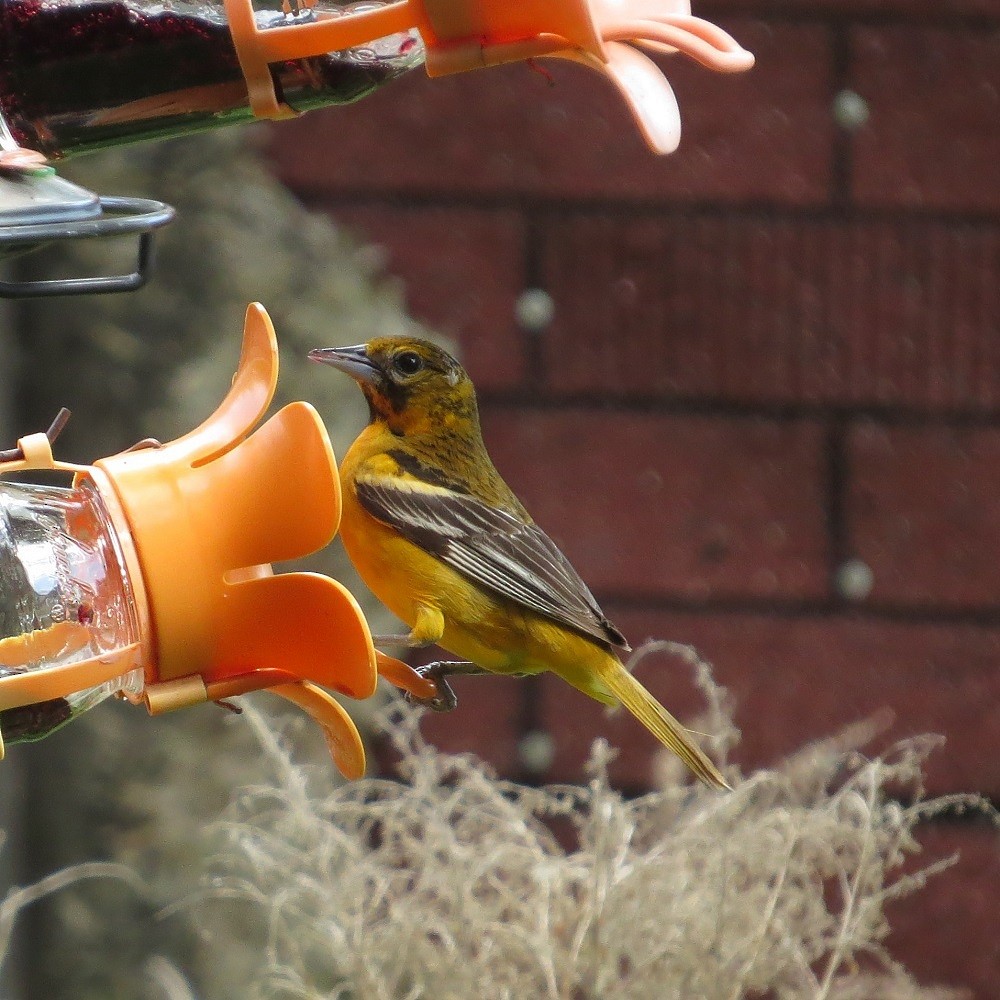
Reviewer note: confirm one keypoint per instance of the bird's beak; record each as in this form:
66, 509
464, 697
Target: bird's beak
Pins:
354, 361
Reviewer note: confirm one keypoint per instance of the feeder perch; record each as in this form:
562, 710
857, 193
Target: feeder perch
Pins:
38, 208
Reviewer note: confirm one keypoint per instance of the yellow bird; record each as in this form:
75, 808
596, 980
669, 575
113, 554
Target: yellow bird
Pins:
442, 541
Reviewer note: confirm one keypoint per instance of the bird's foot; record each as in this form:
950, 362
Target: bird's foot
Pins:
438, 673
444, 700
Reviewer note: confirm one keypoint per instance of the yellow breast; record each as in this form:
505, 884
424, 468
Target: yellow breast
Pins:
489, 630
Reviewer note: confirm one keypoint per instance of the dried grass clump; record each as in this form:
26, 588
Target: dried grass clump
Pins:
452, 883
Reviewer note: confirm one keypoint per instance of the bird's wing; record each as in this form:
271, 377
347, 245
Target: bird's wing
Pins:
494, 549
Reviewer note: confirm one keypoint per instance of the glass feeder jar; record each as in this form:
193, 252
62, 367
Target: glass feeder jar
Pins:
79, 75
66, 605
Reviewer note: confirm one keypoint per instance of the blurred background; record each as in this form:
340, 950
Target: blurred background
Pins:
752, 389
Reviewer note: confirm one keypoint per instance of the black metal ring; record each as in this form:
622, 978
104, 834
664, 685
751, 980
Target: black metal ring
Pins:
143, 216
122, 217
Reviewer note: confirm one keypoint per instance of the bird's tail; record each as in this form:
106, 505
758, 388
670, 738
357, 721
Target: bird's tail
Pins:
659, 721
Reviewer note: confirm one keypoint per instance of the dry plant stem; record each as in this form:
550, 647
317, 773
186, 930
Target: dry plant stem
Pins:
171, 983
18, 898
764, 924
851, 890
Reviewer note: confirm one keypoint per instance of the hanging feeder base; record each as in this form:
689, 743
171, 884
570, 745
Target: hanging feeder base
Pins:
38, 208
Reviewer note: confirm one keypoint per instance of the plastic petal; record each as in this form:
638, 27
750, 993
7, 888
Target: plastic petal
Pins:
342, 737
647, 93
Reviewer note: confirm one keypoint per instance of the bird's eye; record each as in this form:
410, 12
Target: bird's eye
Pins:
408, 363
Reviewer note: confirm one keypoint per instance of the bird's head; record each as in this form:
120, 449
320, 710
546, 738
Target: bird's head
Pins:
410, 384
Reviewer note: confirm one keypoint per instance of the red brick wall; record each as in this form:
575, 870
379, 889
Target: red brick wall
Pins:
772, 356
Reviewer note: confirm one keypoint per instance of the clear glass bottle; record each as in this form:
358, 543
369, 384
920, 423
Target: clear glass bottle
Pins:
78, 75
65, 597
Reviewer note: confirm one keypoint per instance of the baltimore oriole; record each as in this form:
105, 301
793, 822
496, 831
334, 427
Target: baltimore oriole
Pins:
442, 541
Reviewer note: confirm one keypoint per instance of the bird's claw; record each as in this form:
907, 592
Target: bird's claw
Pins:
445, 699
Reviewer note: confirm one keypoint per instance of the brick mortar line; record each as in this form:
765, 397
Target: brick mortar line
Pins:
533, 275
717, 409
320, 200
820, 14
837, 485
842, 151
529, 716
788, 608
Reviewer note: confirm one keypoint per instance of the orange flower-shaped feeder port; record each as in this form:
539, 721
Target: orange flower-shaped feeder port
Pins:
597, 33
197, 523
468, 34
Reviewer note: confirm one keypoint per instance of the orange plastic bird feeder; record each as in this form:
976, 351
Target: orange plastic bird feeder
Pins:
151, 575
470, 34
